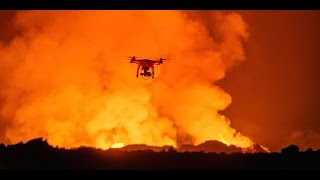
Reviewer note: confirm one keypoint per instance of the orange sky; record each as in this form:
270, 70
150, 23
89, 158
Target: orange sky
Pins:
276, 91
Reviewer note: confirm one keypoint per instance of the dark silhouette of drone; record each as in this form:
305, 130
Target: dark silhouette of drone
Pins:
145, 65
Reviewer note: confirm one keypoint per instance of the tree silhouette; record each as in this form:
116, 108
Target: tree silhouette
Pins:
292, 149
38, 154
2, 147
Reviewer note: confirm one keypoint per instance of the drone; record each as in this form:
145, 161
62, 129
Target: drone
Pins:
145, 65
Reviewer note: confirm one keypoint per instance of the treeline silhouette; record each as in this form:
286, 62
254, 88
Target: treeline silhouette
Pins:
38, 154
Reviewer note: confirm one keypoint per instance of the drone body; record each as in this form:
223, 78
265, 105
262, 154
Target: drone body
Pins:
146, 65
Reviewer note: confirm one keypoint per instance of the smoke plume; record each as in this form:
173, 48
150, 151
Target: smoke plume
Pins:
66, 78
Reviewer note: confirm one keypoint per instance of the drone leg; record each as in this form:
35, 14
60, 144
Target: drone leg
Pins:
152, 68
138, 71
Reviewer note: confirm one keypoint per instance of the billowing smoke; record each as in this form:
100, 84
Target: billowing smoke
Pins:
66, 78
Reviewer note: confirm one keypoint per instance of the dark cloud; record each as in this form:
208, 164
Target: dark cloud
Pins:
7, 29
276, 91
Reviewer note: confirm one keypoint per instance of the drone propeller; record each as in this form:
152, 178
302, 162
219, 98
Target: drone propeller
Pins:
163, 59
132, 57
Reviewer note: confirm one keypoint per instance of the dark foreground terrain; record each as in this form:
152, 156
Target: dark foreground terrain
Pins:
37, 154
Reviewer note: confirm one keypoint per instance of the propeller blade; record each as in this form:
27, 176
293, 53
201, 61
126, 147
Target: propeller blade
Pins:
157, 59
130, 57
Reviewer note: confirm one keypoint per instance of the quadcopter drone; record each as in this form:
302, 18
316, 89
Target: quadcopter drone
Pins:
145, 65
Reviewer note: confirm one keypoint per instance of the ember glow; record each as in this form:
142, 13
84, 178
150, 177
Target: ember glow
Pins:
117, 145
66, 78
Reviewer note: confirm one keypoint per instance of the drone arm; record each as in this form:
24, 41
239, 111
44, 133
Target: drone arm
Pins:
134, 61
157, 63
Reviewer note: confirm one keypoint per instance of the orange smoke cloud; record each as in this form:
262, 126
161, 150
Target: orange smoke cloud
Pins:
66, 78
